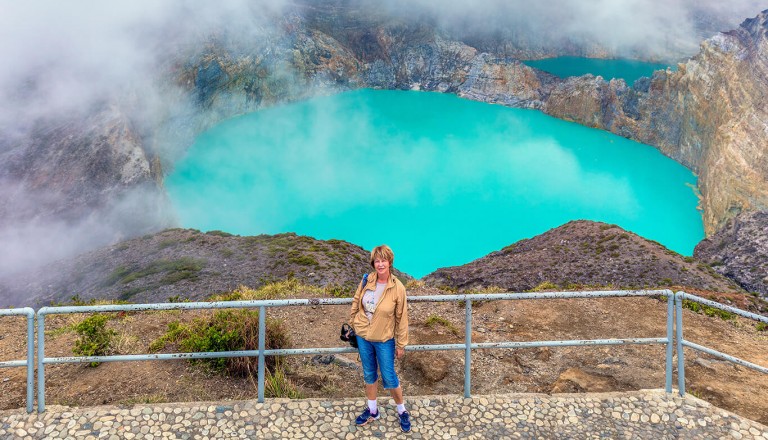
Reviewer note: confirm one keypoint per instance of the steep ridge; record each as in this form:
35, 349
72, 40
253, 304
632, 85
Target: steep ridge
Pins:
581, 254
740, 251
185, 264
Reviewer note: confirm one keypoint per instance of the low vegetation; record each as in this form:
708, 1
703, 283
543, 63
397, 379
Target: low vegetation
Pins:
437, 320
707, 310
287, 288
94, 338
225, 330
176, 270
545, 286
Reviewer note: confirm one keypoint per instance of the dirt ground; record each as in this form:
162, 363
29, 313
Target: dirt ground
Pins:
548, 370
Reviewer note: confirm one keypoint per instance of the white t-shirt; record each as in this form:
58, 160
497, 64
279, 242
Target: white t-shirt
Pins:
371, 299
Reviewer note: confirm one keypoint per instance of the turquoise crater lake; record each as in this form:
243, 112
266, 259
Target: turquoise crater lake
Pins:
441, 179
628, 70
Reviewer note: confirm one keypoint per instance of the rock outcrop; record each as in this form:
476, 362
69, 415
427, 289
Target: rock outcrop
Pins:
581, 254
740, 251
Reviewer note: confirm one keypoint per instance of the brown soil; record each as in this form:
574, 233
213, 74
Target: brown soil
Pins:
567, 369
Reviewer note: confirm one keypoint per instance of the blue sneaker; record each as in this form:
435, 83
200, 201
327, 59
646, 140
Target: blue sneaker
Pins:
366, 417
405, 421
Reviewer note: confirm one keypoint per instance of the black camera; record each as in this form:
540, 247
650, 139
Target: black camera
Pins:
348, 335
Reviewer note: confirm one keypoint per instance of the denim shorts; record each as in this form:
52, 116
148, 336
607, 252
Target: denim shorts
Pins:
381, 355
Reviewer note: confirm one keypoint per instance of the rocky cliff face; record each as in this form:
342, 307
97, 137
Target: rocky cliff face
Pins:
740, 251
74, 183
710, 115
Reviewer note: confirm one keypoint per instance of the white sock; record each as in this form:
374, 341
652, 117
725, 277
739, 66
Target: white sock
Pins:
401, 408
373, 407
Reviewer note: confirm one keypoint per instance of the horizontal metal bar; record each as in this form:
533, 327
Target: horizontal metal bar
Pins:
193, 305
300, 351
725, 356
12, 364
435, 347
149, 357
341, 301
339, 350
717, 305
571, 343
541, 295
27, 311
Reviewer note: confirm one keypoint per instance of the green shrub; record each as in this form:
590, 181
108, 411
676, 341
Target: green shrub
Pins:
78, 301
761, 326
226, 330
94, 338
167, 243
339, 291
181, 268
707, 310
434, 320
544, 286
219, 233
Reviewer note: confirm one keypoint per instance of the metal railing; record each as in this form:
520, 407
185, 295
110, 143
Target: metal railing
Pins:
262, 352
681, 342
29, 362
673, 338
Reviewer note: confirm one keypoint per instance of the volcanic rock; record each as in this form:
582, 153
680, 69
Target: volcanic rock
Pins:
581, 254
740, 251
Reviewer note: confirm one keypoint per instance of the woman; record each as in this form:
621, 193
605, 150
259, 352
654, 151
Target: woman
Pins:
379, 316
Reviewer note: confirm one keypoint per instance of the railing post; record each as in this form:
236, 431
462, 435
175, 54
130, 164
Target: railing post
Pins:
679, 297
40, 367
467, 346
30, 359
670, 339
262, 343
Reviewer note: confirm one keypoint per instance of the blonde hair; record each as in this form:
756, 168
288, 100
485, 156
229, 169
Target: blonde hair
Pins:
383, 252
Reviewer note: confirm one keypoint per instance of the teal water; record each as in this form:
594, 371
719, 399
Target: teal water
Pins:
629, 70
440, 179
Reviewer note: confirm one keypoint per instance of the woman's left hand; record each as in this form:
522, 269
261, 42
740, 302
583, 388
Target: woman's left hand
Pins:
399, 352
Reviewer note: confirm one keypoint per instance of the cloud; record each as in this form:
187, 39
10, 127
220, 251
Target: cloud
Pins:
629, 28
60, 56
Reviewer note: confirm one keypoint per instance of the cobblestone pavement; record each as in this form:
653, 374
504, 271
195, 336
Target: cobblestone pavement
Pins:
648, 414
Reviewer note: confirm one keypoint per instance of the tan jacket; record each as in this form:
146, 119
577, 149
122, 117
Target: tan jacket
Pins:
390, 318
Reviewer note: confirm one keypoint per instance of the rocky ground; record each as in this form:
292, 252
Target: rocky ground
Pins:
740, 251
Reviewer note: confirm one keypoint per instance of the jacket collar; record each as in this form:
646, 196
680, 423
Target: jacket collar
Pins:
374, 276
